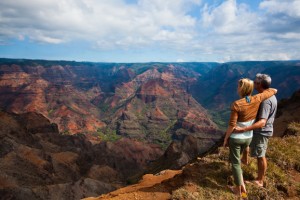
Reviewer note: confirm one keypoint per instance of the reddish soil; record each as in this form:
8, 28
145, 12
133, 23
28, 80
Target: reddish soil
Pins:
148, 188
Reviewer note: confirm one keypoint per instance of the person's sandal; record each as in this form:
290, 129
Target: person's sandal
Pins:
244, 195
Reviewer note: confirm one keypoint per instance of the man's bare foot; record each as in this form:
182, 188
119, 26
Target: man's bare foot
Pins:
258, 183
255, 182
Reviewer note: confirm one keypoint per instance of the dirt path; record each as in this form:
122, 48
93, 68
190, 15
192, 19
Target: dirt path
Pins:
149, 188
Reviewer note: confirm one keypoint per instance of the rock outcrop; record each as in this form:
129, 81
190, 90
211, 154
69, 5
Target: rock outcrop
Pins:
287, 112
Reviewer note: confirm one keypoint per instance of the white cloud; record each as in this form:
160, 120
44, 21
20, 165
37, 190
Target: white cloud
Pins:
293, 36
281, 16
290, 7
232, 31
194, 30
46, 39
229, 18
169, 12
113, 21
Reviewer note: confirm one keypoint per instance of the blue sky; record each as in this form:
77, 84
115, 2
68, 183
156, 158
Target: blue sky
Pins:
150, 30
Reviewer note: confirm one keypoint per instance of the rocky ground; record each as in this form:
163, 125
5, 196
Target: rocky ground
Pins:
207, 178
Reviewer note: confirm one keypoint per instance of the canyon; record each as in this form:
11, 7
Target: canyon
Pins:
85, 129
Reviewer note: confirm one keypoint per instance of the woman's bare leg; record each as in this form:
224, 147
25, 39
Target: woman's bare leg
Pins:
245, 156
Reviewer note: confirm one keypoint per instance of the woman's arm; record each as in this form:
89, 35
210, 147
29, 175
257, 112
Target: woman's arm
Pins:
266, 94
233, 115
232, 122
227, 135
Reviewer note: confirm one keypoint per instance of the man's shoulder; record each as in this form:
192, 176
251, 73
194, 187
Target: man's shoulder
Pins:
271, 99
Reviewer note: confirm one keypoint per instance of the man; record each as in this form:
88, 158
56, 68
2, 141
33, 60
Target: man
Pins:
262, 128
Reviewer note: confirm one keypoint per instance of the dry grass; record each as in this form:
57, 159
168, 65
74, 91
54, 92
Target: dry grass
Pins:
285, 152
282, 178
293, 128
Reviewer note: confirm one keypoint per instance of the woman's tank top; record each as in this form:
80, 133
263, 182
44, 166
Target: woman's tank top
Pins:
245, 135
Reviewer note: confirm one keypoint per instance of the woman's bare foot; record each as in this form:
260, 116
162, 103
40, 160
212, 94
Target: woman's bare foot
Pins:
235, 190
243, 188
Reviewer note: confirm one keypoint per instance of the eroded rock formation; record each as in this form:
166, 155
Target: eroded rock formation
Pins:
36, 162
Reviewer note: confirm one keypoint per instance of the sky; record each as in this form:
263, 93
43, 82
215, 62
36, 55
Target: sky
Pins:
150, 30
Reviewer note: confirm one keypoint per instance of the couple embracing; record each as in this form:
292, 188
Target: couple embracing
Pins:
251, 123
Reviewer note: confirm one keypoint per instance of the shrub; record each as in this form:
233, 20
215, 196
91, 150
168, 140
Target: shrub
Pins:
108, 135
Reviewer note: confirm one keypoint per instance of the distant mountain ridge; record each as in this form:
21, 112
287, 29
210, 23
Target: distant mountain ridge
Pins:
87, 97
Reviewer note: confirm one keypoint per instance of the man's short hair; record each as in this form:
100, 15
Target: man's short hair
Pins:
264, 79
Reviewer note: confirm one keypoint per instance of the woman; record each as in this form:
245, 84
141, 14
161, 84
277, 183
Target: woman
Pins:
243, 113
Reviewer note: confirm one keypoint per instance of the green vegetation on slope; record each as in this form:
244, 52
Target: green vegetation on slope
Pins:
221, 118
108, 135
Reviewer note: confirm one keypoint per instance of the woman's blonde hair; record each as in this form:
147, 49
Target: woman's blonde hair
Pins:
245, 87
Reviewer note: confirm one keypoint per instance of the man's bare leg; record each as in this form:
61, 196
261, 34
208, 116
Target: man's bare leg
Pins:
261, 170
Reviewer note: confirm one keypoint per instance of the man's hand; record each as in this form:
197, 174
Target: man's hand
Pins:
239, 129
259, 124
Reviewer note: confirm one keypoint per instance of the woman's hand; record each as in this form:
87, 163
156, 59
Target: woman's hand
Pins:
227, 135
225, 143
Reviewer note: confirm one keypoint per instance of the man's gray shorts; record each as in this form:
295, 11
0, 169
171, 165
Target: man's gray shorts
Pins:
259, 145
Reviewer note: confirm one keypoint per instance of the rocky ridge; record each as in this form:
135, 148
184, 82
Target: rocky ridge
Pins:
37, 162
